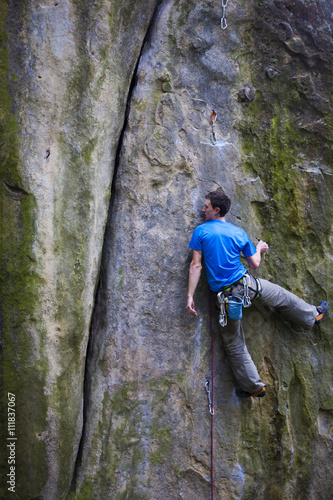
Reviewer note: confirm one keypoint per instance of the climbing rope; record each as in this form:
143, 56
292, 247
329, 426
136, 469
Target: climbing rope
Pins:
223, 18
210, 395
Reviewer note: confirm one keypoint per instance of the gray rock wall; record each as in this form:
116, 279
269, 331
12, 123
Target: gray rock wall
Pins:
106, 159
67, 68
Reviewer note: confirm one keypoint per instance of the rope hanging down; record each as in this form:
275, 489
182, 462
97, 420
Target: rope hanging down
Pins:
210, 394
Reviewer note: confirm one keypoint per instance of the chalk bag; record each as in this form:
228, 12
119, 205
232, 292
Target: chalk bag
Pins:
234, 308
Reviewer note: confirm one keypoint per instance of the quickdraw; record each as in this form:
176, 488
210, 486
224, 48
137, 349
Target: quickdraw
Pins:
223, 311
210, 403
246, 297
223, 18
213, 117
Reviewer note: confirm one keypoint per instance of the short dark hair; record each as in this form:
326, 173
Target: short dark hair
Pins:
219, 199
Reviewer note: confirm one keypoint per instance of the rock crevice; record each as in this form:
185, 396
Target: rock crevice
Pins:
86, 391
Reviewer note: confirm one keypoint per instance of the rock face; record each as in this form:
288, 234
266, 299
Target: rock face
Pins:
106, 158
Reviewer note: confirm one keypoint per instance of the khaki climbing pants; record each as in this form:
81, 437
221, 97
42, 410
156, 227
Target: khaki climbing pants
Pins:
276, 297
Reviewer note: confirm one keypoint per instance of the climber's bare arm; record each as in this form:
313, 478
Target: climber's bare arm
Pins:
193, 280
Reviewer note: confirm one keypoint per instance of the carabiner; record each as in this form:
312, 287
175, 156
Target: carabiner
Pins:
213, 116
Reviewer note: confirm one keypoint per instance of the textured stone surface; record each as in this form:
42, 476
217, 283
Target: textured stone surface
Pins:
144, 430
70, 66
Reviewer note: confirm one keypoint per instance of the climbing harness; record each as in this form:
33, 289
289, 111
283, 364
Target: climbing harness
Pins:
213, 117
259, 288
223, 18
210, 394
231, 305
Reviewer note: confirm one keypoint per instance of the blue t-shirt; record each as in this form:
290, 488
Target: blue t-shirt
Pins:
221, 244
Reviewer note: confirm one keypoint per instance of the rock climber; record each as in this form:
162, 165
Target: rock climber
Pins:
221, 243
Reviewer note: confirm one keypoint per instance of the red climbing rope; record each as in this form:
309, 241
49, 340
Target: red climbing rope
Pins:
212, 403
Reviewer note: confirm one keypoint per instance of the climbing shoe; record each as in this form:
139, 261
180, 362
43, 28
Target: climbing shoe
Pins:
322, 309
243, 394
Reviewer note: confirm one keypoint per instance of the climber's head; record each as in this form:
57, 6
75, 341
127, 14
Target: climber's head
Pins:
217, 204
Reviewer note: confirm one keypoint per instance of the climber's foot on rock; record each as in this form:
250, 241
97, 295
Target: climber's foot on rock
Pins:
243, 394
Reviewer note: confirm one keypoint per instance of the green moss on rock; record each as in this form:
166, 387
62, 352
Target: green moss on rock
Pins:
161, 435
23, 369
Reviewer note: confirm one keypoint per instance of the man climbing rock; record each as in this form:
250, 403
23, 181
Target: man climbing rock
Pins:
221, 243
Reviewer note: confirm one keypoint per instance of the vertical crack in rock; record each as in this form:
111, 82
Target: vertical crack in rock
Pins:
146, 39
